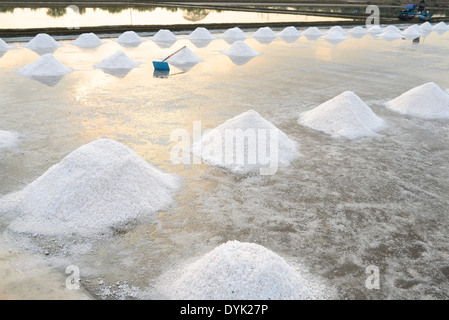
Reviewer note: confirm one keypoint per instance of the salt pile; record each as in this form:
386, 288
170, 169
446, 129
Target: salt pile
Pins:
234, 33
164, 35
335, 37
240, 53
345, 116
184, 59
46, 66
97, 186
243, 271
375, 30
213, 149
393, 28
118, 60
264, 32
412, 32
4, 46
87, 40
426, 101
441, 26
357, 31
42, 43
338, 29
8, 139
129, 38
312, 32
390, 35
201, 33
426, 27
289, 32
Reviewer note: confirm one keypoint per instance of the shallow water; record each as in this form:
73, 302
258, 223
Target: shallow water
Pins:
341, 207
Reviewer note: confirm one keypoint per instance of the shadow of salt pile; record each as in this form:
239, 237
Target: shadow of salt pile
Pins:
240, 53
47, 70
118, 64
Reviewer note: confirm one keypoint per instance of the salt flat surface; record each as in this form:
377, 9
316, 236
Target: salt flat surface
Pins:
342, 206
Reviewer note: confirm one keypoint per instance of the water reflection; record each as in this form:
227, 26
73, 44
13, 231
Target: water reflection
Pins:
50, 81
200, 43
289, 39
117, 72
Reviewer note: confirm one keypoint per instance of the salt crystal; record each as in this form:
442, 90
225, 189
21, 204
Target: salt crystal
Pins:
357, 31
264, 32
129, 38
234, 33
289, 32
42, 40
164, 35
338, 29
313, 32
201, 34
390, 35
4, 46
118, 60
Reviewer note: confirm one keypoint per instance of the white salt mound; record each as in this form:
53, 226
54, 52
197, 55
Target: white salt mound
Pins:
129, 37
426, 27
375, 30
412, 31
4, 46
42, 41
253, 123
8, 139
201, 33
185, 56
88, 40
441, 26
426, 101
289, 32
241, 49
234, 33
338, 29
164, 35
247, 271
118, 60
313, 32
46, 66
264, 32
97, 186
390, 35
358, 31
345, 116
392, 28
335, 35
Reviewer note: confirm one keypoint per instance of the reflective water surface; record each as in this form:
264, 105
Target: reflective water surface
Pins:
341, 207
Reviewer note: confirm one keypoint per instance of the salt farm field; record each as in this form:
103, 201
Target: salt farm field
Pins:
342, 206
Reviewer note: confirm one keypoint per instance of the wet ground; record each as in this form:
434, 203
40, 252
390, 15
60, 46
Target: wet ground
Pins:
341, 207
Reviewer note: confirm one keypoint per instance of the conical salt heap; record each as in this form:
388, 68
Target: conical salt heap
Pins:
392, 28
441, 26
46, 66
426, 27
289, 32
201, 33
164, 35
345, 116
426, 101
129, 38
357, 31
118, 60
184, 59
335, 37
42, 41
243, 271
97, 186
264, 32
390, 35
87, 40
312, 32
4, 46
412, 32
338, 29
213, 146
234, 33
374, 30
240, 48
